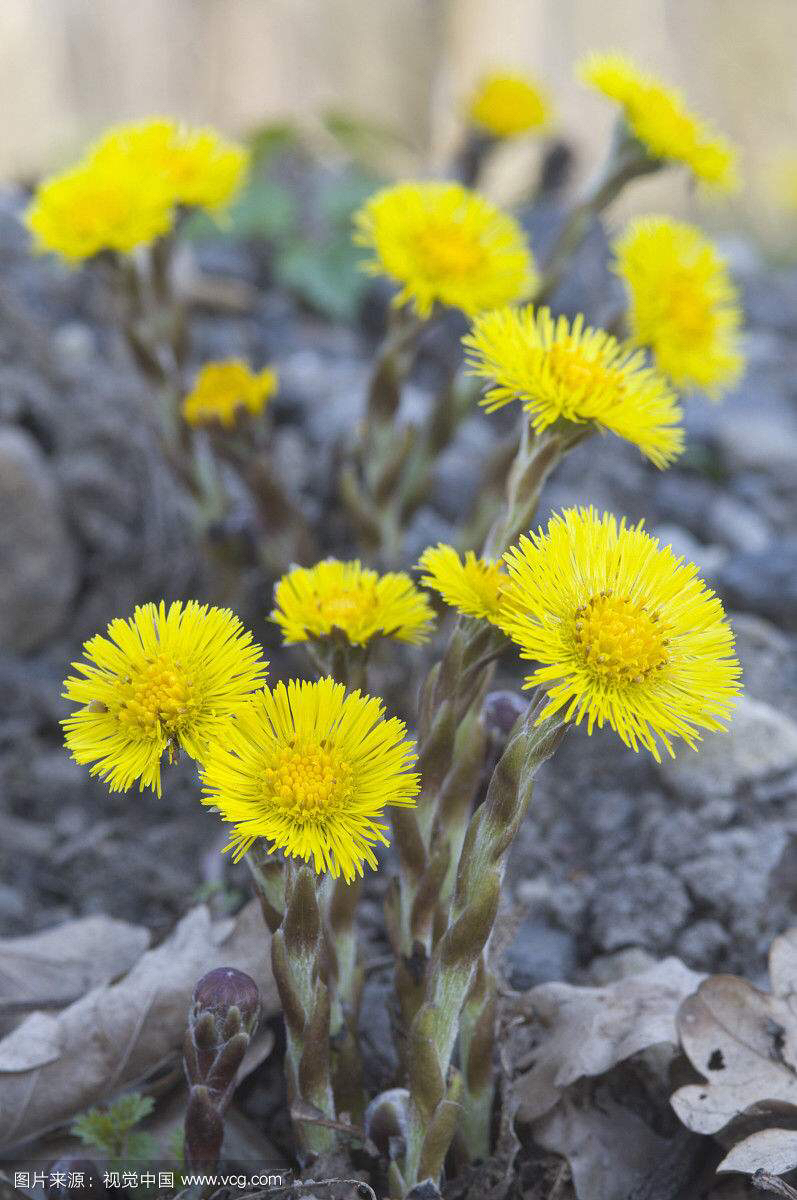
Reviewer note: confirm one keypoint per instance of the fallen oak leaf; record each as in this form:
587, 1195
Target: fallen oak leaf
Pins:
52, 1067
585, 1031
773, 1151
744, 1043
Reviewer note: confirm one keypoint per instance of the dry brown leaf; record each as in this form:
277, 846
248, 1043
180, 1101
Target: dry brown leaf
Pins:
52, 1067
744, 1041
64, 963
588, 1030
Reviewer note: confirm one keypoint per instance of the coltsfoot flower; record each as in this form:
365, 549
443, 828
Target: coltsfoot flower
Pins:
314, 602
442, 242
472, 585
625, 633
223, 389
196, 166
310, 769
682, 303
558, 370
658, 117
507, 104
98, 206
161, 681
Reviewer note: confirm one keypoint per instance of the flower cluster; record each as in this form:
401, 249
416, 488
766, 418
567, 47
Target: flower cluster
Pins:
658, 117
223, 389
442, 243
507, 105
128, 187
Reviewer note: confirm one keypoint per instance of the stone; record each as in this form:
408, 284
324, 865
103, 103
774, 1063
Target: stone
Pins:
640, 905
540, 954
759, 745
39, 576
764, 582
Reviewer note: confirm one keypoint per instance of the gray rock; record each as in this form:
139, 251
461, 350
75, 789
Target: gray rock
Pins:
39, 576
539, 954
703, 944
641, 905
732, 877
764, 581
759, 745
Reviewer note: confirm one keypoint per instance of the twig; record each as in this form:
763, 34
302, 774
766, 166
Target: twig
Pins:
765, 1182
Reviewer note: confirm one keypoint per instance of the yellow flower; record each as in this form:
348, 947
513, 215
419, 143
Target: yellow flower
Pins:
197, 167
558, 370
222, 388
98, 206
160, 681
658, 117
683, 304
472, 586
506, 105
441, 242
314, 602
625, 633
311, 769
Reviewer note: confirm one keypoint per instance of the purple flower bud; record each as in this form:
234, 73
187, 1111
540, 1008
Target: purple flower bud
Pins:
223, 990
501, 711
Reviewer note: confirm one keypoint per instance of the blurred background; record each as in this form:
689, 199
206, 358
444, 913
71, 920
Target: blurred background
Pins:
69, 68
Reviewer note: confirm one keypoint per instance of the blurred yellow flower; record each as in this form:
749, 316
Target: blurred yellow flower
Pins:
658, 117
625, 633
161, 681
313, 602
508, 104
441, 242
472, 585
197, 167
98, 206
222, 389
311, 769
576, 373
682, 303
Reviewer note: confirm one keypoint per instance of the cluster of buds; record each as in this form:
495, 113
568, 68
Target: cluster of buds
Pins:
223, 1018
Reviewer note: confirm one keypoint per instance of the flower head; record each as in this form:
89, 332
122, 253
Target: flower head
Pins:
222, 389
98, 206
311, 769
558, 370
506, 105
313, 602
659, 118
683, 304
473, 585
443, 243
625, 633
160, 681
197, 167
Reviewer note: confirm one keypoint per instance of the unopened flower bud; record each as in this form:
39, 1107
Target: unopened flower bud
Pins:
231, 997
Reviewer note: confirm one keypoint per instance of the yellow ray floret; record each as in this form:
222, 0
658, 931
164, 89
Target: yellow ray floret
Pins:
196, 166
442, 243
625, 633
162, 680
558, 370
223, 389
312, 602
310, 769
472, 585
682, 303
658, 117
98, 206
509, 104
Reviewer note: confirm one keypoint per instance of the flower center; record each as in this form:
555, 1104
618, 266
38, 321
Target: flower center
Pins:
344, 609
619, 640
578, 376
308, 783
159, 699
448, 250
689, 309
